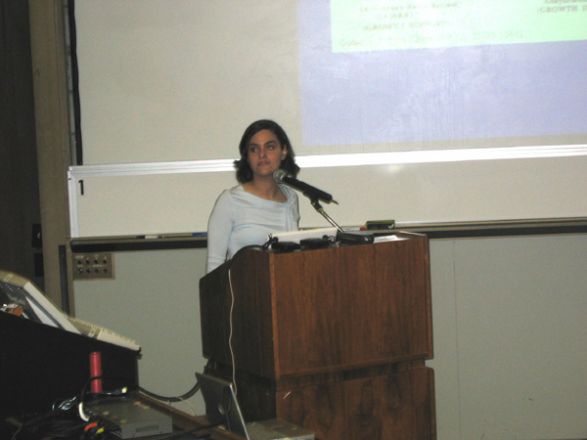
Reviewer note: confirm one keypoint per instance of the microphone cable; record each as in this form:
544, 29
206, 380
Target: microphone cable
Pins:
231, 310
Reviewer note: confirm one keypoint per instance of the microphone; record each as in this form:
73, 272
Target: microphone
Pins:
314, 194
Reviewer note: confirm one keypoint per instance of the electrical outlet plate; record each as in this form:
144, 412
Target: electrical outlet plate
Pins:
94, 265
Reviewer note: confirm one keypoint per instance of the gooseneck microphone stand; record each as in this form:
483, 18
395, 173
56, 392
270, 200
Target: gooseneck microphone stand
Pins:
318, 207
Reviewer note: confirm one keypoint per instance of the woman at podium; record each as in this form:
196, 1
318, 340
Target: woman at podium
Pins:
245, 214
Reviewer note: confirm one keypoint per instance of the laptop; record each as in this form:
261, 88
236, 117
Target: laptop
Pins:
222, 407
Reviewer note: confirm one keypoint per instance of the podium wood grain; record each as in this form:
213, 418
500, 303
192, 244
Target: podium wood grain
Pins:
334, 339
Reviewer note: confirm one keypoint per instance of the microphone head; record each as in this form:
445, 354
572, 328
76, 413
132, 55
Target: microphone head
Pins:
279, 175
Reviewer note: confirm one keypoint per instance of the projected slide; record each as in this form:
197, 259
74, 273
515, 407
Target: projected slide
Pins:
443, 73
387, 25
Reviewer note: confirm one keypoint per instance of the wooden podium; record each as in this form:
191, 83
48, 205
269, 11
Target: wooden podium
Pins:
332, 339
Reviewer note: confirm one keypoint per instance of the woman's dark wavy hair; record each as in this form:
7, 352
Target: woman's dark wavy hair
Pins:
243, 170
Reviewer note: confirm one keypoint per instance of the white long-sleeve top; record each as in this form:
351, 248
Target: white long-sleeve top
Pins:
241, 219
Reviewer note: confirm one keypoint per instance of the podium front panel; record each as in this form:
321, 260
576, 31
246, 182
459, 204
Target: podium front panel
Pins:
350, 307
321, 310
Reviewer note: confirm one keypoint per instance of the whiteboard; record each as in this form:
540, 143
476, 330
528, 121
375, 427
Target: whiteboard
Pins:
177, 197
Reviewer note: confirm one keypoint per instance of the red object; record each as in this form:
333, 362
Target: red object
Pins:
96, 372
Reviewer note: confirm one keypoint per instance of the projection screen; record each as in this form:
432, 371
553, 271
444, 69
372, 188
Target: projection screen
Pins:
440, 91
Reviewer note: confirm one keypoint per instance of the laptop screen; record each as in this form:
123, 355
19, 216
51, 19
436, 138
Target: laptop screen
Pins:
221, 404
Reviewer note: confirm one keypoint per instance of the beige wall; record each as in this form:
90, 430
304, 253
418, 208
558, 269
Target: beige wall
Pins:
52, 129
509, 330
